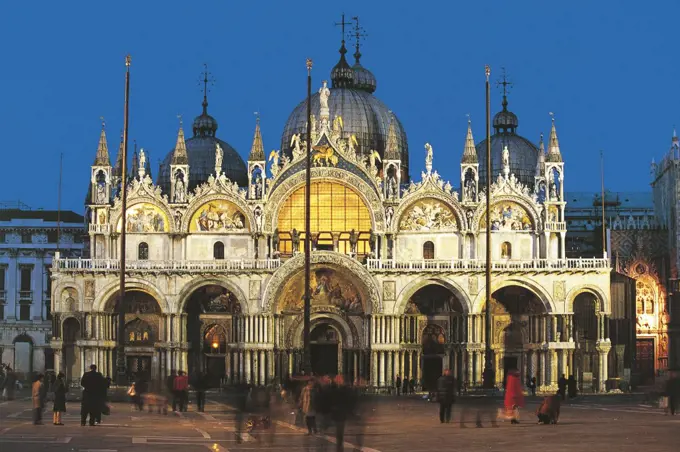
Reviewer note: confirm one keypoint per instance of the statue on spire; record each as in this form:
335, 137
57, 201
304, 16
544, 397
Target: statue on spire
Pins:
506, 161
324, 94
428, 158
219, 154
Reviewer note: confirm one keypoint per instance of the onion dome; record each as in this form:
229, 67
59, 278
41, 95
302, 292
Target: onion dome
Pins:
363, 78
522, 152
363, 114
200, 150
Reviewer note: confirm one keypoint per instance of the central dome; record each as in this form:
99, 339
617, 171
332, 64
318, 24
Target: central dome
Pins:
363, 114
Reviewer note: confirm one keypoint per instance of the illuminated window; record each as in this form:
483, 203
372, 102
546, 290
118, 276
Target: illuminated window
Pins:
335, 210
428, 250
215, 340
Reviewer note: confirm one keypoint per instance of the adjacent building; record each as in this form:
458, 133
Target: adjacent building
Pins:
28, 241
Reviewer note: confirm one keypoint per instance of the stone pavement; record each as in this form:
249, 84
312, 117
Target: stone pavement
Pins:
392, 424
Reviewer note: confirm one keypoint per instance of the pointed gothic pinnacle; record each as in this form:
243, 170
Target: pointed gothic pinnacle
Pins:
257, 149
179, 156
102, 157
541, 157
392, 151
470, 151
554, 154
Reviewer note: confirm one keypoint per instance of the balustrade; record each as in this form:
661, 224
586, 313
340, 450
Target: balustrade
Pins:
480, 265
184, 266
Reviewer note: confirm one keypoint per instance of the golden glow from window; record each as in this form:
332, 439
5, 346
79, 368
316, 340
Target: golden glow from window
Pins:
335, 210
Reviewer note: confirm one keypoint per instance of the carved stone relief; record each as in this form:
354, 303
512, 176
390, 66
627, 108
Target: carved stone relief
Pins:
559, 290
254, 289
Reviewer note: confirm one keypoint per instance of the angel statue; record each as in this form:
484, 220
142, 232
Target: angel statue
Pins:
274, 156
372, 157
219, 154
295, 144
506, 161
338, 124
352, 143
428, 157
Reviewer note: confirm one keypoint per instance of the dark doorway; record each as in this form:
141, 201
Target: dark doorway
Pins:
433, 367
644, 360
215, 370
324, 343
509, 363
140, 366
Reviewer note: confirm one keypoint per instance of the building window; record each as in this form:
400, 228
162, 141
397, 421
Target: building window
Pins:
3, 236
218, 250
506, 250
48, 293
143, 251
26, 237
428, 250
2, 311
52, 237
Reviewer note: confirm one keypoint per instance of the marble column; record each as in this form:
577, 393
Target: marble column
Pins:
374, 368
247, 365
402, 370
418, 367
470, 368
553, 367
389, 380
381, 369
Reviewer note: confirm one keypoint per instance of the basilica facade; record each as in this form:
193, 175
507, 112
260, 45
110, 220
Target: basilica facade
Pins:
215, 263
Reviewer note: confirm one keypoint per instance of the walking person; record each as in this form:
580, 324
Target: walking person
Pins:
38, 394
307, 405
9, 384
514, 398
91, 382
562, 387
531, 384
181, 387
673, 392
200, 386
549, 411
571, 387
141, 388
405, 387
446, 388
398, 384
59, 405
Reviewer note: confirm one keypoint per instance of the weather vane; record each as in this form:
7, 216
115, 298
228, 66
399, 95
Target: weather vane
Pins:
469, 118
103, 122
342, 24
206, 79
504, 83
257, 116
552, 116
179, 116
359, 34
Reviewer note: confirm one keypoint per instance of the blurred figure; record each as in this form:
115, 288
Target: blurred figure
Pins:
531, 384
405, 386
91, 403
571, 387
180, 387
446, 388
549, 411
104, 397
342, 405
514, 398
241, 403
562, 387
307, 405
169, 386
398, 385
200, 385
412, 385
141, 388
673, 391
59, 405
38, 394
9, 384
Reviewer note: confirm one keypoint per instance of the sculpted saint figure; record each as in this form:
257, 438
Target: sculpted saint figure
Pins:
324, 94
142, 158
372, 240
295, 238
275, 242
219, 154
506, 160
388, 215
180, 192
428, 157
101, 193
353, 241
258, 218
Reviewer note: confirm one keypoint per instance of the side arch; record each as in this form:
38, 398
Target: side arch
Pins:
194, 285
529, 207
105, 294
198, 202
350, 335
538, 290
117, 212
409, 200
601, 297
411, 288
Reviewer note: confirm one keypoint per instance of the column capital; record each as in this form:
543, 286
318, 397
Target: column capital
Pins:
603, 346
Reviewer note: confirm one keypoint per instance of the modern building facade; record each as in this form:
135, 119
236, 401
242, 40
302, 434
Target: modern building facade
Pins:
215, 273
28, 241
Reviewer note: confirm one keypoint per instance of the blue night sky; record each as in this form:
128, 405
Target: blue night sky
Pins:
607, 69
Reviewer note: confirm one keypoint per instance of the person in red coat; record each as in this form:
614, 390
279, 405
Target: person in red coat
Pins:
514, 397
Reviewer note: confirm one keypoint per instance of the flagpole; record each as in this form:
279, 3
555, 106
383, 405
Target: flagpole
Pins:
308, 241
604, 229
120, 355
488, 376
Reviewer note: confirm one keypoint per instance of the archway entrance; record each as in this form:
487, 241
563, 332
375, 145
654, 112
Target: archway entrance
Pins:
513, 310
585, 336
212, 320
142, 330
442, 310
325, 344
70, 352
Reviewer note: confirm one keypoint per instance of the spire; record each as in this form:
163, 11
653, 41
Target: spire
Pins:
179, 156
118, 169
505, 121
392, 151
554, 154
675, 136
342, 75
205, 125
358, 35
205, 89
102, 157
470, 152
135, 163
541, 157
257, 149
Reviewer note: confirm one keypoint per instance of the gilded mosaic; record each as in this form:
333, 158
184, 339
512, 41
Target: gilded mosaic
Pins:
145, 218
327, 287
218, 216
428, 215
508, 216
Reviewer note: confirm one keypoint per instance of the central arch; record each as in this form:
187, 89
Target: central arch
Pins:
536, 289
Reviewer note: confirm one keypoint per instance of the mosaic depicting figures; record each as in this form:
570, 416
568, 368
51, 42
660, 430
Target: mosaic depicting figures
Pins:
327, 287
218, 216
428, 215
144, 218
225, 302
508, 216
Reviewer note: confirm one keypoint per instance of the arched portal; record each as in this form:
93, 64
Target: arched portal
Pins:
212, 317
71, 365
23, 354
515, 337
326, 344
586, 334
144, 326
442, 312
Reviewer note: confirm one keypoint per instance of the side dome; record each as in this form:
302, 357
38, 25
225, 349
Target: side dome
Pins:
522, 152
201, 156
